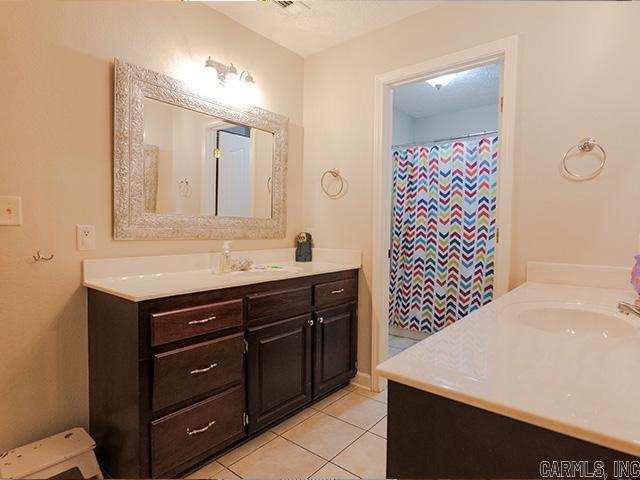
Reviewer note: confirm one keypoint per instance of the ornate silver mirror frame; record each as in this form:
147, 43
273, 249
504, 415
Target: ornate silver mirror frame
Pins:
131, 220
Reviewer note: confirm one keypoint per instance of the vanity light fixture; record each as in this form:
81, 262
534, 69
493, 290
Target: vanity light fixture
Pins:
223, 80
211, 69
231, 78
441, 81
250, 88
211, 80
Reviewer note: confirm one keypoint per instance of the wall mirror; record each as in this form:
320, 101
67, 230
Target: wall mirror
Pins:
188, 167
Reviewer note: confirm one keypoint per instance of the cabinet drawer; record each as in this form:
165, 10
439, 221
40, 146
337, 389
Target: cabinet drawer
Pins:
335, 292
187, 433
279, 304
187, 372
189, 322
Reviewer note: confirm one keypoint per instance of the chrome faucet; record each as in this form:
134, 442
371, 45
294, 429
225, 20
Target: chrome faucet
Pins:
628, 308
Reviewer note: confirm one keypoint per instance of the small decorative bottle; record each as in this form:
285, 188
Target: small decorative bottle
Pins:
225, 257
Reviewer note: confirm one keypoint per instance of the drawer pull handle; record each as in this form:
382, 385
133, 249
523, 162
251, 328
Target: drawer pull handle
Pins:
201, 430
203, 370
337, 291
204, 320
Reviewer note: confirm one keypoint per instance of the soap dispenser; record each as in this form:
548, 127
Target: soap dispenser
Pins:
225, 257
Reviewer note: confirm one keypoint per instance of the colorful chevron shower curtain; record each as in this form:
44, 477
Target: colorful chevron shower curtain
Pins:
443, 232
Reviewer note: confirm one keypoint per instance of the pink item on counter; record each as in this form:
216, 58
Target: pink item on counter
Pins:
635, 275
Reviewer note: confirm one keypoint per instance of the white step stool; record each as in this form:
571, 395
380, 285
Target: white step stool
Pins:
65, 453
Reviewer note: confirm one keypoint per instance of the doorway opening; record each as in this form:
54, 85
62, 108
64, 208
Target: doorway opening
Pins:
445, 153
500, 55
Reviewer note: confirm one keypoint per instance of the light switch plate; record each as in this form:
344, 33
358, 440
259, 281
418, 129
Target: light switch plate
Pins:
86, 237
10, 210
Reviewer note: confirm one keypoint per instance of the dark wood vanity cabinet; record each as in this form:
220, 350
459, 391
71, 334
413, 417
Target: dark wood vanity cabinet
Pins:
175, 381
279, 369
335, 345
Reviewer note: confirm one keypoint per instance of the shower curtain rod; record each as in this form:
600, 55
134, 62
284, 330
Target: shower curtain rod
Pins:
446, 139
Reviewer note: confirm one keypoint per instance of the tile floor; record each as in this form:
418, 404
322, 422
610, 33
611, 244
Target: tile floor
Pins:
397, 344
342, 436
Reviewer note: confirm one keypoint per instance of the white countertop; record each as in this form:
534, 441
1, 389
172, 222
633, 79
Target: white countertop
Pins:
145, 278
581, 379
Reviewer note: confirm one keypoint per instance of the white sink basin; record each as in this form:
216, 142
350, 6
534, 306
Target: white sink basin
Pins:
261, 271
574, 319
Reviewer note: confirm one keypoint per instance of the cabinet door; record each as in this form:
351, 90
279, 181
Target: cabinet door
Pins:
278, 369
335, 347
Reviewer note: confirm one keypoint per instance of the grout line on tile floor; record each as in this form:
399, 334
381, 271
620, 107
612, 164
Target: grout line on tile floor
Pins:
292, 416
319, 469
276, 435
354, 441
330, 460
244, 456
335, 465
331, 403
304, 448
352, 424
374, 433
370, 398
235, 473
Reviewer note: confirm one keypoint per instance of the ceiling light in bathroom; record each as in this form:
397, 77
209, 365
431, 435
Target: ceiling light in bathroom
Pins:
442, 80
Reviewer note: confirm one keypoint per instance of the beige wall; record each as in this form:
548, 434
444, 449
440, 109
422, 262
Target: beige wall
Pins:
578, 76
56, 150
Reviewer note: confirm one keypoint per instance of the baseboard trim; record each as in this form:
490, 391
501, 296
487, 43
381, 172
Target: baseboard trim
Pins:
362, 380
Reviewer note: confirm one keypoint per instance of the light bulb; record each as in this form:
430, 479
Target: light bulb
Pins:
211, 79
250, 90
232, 77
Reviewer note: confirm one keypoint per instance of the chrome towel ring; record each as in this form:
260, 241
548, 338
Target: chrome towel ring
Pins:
335, 173
585, 145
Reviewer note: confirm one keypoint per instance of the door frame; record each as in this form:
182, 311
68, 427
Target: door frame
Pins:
505, 50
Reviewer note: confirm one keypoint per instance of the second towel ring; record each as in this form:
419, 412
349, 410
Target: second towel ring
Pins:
335, 173
585, 145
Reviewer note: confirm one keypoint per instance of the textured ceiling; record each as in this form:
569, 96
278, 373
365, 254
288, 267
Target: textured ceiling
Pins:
325, 24
471, 88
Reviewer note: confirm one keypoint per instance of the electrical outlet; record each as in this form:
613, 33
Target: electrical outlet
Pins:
86, 237
10, 210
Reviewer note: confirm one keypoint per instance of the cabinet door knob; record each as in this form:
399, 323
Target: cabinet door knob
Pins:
320, 320
310, 322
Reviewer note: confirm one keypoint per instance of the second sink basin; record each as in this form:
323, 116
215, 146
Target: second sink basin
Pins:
574, 319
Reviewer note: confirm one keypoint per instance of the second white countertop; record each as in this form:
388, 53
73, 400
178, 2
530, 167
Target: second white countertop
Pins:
145, 278
525, 357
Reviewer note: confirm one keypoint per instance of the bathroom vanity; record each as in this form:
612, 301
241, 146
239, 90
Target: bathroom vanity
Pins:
176, 378
545, 373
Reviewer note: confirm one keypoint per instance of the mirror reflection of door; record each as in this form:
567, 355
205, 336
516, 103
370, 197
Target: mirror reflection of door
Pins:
204, 165
234, 174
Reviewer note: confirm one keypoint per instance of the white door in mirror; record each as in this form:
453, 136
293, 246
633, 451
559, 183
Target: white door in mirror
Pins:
10, 210
86, 237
